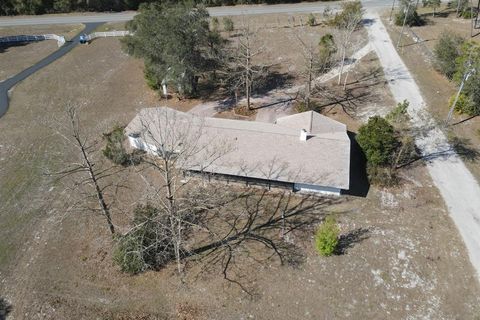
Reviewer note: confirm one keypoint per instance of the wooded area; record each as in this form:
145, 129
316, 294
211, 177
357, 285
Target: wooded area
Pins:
16, 7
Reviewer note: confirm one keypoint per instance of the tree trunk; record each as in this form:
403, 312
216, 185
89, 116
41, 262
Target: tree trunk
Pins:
247, 91
175, 222
341, 65
309, 84
391, 11
345, 81
98, 190
247, 78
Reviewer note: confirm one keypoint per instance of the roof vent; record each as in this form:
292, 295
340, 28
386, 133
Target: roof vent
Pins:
303, 135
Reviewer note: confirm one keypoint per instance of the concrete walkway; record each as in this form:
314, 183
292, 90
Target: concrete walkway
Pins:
457, 185
9, 83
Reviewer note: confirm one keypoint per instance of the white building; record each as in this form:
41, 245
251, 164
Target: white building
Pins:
307, 151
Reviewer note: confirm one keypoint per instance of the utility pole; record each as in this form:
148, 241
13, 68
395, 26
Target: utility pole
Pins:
465, 78
391, 12
404, 22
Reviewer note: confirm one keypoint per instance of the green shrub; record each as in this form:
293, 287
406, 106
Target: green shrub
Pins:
464, 105
114, 149
215, 24
467, 14
128, 254
62, 6
326, 51
399, 114
349, 10
228, 24
382, 176
413, 19
378, 141
406, 152
149, 243
446, 51
151, 77
326, 237
311, 21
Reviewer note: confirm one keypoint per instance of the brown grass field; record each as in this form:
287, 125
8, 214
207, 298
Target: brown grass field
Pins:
408, 260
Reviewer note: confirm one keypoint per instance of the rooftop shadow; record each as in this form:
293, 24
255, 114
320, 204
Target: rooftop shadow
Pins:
359, 185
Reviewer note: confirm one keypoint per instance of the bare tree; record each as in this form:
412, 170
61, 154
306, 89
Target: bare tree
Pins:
177, 145
87, 176
347, 21
244, 69
317, 59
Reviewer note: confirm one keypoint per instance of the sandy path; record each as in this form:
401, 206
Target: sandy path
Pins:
457, 185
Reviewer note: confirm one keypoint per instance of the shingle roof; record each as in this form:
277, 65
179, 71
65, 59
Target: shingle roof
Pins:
263, 150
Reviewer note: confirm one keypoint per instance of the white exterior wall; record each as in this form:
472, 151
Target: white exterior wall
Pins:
310, 188
136, 142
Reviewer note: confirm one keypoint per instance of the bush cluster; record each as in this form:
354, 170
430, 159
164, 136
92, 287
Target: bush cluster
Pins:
456, 57
413, 19
15, 7
148, 245
386, 149
115, 150
326, 237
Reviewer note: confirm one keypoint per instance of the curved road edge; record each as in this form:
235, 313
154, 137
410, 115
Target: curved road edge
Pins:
9, 83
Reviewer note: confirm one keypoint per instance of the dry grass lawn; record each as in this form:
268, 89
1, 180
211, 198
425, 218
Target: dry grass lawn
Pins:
405, 259
16, 58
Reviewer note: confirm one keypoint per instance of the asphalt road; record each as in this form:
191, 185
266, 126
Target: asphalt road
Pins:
214, 11
6, 85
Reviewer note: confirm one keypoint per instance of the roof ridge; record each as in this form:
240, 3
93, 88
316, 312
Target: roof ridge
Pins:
311, 121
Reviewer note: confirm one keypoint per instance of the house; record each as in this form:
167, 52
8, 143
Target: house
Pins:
306, 152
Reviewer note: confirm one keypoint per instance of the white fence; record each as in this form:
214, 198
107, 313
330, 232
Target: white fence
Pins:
60, 39
95, 35
30, 38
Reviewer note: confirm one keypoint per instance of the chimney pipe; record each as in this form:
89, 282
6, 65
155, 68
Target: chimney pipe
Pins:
303, 135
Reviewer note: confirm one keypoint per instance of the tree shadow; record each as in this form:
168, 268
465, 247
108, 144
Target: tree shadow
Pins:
260, 227
418, 42
464, 120
349, 100
5, 46
5, 308
348, 240
271, 79
463, 147
359, 184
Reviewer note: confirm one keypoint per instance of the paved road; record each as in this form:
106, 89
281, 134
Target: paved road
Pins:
214, 11
10, 82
